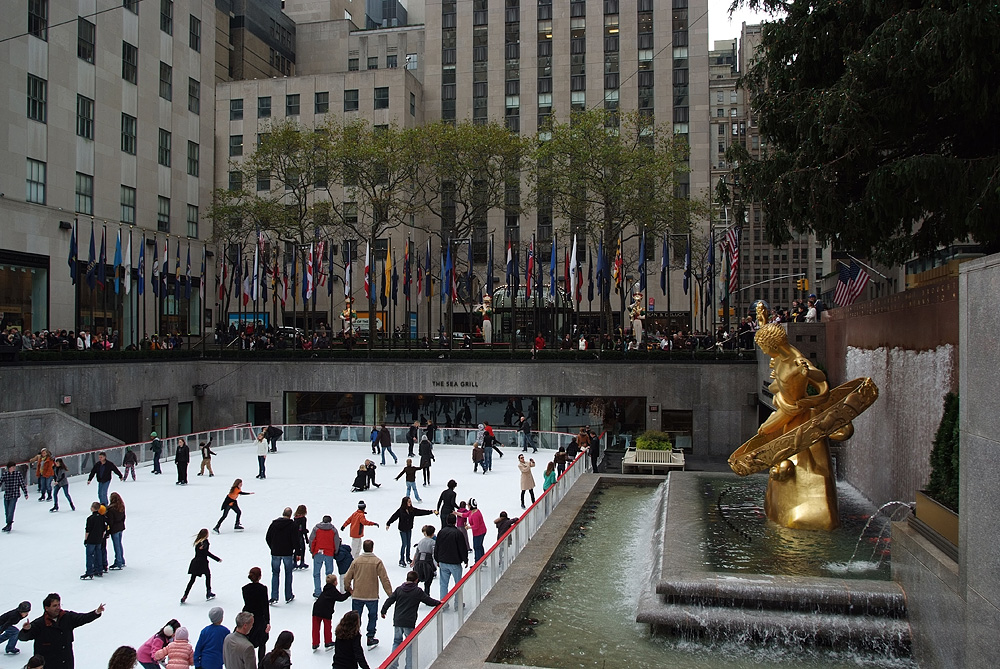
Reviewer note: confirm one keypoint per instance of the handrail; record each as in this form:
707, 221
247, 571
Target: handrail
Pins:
433, 633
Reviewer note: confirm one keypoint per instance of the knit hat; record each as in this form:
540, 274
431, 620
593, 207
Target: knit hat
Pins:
215, 615
168, 630
103, 510
181, 633
362, 505
152, 434
24, 607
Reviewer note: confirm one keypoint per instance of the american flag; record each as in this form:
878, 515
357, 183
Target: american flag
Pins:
733, 246
851, 281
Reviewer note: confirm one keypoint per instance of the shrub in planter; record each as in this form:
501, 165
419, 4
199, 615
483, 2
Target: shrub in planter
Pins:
654, 441
943, 485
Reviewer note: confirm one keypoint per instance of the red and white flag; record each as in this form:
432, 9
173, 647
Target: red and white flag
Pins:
309, 273
368, 285
850, 284
733, 247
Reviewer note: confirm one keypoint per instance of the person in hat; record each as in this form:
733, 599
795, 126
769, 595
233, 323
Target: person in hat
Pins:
154, 643
208, 650
156, 446
95, 541
179, 653
357, 521
8, 628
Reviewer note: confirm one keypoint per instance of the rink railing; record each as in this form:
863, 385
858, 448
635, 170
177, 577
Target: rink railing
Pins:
244, 434
435, 631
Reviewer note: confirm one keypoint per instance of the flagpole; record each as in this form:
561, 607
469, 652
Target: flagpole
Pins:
691, 285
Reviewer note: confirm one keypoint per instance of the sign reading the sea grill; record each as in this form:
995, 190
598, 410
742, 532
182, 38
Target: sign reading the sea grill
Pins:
455, 384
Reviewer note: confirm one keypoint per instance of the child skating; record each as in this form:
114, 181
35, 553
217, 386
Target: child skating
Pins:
199, 565
231, 502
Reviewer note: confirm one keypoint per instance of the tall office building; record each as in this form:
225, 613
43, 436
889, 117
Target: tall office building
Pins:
110, 124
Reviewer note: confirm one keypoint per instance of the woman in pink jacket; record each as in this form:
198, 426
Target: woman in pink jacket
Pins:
162, 637
179, 652
478, 527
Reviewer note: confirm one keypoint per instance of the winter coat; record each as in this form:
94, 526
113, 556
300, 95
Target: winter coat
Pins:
199, 563
560, 458
504, 524
255, 602
527, 480
116, 520
44, 467
407, 599
478, 454
54, 638
410, 472
384, 438
10, 619
362, 579
60, 477
276, 659
348, 653
451, 546
447, 502
97, 529
549, 480
238, 651
156, 446
327, 600
207, 452
426, 452
476, 523
361, 479
302, 533
103, 472
405, 517
208, 650
282, 536
357, 521
324, 539
153, 644
179, 654
130, 459
183, 455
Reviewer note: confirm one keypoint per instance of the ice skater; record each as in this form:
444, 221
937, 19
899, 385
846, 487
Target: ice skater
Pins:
527, 480
129, 462
60, 479
405, 514
231, 503
199, 565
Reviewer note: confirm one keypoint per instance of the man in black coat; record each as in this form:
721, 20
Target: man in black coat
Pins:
181, 458
451, 550
52, 632
8, 628
282, 538
411, 439
271, 434
102, 470
407, 599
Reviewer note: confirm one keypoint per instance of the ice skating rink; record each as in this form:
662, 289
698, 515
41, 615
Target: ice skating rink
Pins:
45, 552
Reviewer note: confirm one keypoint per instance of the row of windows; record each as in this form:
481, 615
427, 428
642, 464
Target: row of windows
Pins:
36, 179
391, 62
321, 101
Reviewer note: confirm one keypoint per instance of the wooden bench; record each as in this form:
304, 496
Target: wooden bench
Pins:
638, 461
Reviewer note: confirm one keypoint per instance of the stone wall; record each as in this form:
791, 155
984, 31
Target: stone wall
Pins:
26, 432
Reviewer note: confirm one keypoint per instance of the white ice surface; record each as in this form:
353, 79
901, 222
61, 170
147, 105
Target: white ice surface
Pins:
45, 553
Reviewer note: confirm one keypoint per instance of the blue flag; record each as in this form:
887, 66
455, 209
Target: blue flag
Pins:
600, 269
446, 274
118, 260
552, 270
91, 261
142, 266
187, 274
177, 273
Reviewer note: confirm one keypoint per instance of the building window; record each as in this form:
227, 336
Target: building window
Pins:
36, 182
162, 214
263, 181
373, 63
37, 95
351, 99
130, 63
236, 110
84, 194
264, 107
322, 102
236, 181
411, 61
352, 65
167, 16
413, 104
194, 34
86, 36
194, 96
131, 5
128, 134
84, 117
192, 220
128, 205
38, 18
166, 81
163, 148
292, 105
194, 159
382, 98
391, 62
235, 145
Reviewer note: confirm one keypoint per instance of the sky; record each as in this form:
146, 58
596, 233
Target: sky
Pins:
721, 27
45, 550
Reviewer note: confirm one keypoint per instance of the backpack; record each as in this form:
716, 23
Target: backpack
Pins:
424, 566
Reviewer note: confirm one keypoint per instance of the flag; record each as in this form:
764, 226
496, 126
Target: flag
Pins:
552, 269
283, 295
420, 281
201, 285
601, 275
618, 270
155, 283
850, 283
687, 266
347, 274
517, 272
245, 284
642, 263
368, 287
406, 270
489, 270
664, 266
276, 277
468, 277
72, 260
263, 273
141, 279
733, 246
509, 277
307, 284
387, 282
237, 281
177, 273
91, 262
446, 271
395, 285
128, 264
255, 282
590, 276
529, 269
187, 274
428, 282
165, 269
318, 259
329, 285
573, 272
118, 260
102, 262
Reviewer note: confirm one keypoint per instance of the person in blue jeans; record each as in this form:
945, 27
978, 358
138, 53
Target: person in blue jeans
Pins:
324, 542
102, 470
405, 515
362, 581
8, 626
282, 537
385, 444
451, 551
13, 483
94, 541
407, 599
410, 472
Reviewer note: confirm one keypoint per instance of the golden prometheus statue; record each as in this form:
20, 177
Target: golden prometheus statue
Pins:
793, 442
